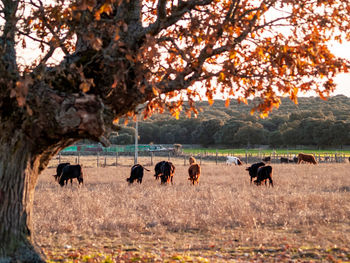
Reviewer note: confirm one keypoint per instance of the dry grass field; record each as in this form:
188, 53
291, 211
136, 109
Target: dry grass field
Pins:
305, 217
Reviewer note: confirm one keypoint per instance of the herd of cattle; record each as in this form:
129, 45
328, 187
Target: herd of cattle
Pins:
165, 170
308, 158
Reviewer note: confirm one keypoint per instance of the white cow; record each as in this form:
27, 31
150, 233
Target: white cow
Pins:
233, 159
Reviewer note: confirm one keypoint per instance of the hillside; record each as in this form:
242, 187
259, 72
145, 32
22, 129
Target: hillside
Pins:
312, 121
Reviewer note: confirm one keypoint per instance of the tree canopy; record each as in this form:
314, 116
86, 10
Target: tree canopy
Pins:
118, 54
312, 122
145, 49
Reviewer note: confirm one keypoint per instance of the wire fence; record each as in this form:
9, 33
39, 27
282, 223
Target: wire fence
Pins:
105, 159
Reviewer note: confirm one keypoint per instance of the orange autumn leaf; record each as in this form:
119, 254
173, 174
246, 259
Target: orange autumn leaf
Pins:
227, 102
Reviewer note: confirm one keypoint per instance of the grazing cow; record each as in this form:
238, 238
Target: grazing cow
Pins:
308, 158
136, 173
266, 159
264, 173
167, 173
194, 172
284, 160
59, 170
69, 172
253, 170
233, 159
158, 169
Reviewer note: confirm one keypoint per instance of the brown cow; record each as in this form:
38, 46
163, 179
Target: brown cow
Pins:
308, 158
194, 173
192, 160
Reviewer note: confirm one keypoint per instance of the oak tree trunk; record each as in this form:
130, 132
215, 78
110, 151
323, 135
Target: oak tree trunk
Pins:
19, 171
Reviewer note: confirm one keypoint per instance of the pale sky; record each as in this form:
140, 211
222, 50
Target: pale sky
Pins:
342, 80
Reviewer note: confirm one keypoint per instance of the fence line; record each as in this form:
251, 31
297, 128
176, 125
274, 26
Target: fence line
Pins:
117, 159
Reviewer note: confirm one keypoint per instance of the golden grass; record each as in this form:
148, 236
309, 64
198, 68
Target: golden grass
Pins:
309, 206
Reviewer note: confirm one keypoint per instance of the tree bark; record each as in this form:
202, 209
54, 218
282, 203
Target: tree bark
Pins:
19, 172
28, 142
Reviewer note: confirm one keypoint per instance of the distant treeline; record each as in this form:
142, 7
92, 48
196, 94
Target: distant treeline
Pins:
311, 122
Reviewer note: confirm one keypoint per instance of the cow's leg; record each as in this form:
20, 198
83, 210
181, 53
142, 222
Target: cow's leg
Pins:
271, 182
80, 180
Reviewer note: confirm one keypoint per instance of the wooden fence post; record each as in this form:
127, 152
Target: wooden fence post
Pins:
151, 158
184, 159
116, 158
216, 158
59, 158
98, 159
105, 164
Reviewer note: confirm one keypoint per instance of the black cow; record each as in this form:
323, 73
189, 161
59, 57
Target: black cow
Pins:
167, 173
59, 170
158, 169
136, 173
264, 173
253, 170
284, 160
266, 159
70, 172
